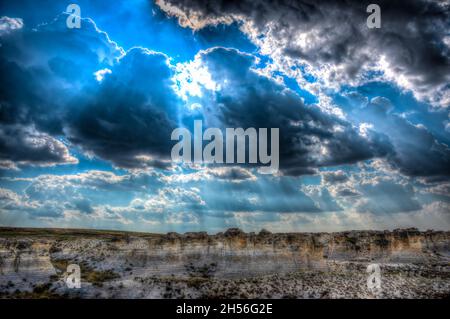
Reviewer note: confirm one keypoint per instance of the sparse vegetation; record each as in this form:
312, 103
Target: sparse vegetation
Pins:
99, 277
203, 271
351, 240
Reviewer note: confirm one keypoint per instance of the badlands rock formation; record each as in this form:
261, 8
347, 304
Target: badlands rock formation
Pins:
233, 264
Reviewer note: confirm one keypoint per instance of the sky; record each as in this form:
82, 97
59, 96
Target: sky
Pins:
86, 114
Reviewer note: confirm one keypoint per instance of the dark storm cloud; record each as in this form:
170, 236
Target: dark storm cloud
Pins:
309, 138
130, 114
417, 152
48, 82
41, 69
23, 95
44, 67
413, 39
334, 177
413, 36
24, 145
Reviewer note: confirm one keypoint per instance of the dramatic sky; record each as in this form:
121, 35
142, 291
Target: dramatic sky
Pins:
86, 114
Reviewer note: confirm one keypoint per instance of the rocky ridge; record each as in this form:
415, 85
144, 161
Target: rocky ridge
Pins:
232, 264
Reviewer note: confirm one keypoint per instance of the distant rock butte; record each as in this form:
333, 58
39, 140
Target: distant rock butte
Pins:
235, 252
35, 256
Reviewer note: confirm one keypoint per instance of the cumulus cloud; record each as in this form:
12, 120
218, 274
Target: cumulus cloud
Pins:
332, 41
335, 177
26, 146
322, 198
14, 203
41, 71
78, 90
8, 24
124, 119
73, 186
127, 118
417, 151
309, 137
232, 174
